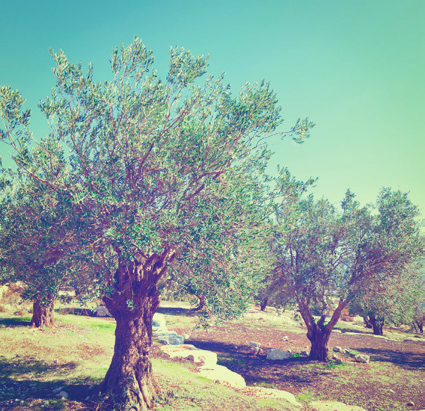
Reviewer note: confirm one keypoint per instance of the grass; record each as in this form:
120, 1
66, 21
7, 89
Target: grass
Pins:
75, 355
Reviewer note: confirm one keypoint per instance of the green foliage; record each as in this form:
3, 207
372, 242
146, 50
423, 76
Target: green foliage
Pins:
140, 173
328, 258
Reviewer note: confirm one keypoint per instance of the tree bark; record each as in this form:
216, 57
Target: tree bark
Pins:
319, 333
367, 322
418, 326
319, 344
377, 325
201, 303
263, 304
129, 382
129, 379
43, 312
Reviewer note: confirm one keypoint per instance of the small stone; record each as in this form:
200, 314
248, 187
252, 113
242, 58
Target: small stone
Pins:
362, 358
336, 358
305, 352
88, 397
285, 338
186, 336
58, 389
337, 349
62, 394
278, 355
411, 404
254, 344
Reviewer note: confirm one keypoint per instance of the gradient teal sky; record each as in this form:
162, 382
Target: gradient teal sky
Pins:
355, 68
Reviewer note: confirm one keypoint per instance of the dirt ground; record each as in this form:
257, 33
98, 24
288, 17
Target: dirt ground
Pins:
393, 380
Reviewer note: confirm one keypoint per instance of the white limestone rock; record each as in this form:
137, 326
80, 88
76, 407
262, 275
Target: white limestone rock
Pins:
278, 355
333, 406
102, 311
158, 322
222, 375
272, 393
362, 358
190, 352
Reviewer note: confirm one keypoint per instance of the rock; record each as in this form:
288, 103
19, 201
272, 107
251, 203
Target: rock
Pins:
411, 404
254, 344
254, 348
337, 349
56, 390
168, 337
102, 311
186, 336
272, 393
62, 394
222, 375
191, 353
333, 406
285, 338
278, 355
158, 321
362, 358
337, 331
176, 340
305, 352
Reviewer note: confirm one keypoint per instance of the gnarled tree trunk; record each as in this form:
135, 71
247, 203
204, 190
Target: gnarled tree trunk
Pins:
319, 333
129, 382
319, 344
377, 325
43, 312
129, 379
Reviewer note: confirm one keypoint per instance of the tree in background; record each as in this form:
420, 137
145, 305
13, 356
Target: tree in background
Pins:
324, 257
39, 244
394, 301
146, 161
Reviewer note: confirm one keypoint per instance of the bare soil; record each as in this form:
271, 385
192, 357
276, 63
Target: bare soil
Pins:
393, 380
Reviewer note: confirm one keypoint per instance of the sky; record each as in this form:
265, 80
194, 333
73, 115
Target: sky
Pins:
354, 68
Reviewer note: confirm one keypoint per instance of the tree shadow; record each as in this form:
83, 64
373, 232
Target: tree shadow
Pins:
257, 370
22, 379
188, 312
16, 322
405, 359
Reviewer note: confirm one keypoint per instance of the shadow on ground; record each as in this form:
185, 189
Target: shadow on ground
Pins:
188, 312
406, 359
16, 322
257, 370
21, 379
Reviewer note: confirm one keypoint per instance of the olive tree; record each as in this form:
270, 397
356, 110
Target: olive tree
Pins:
325, 257
153, 168
394, 301
38, 243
